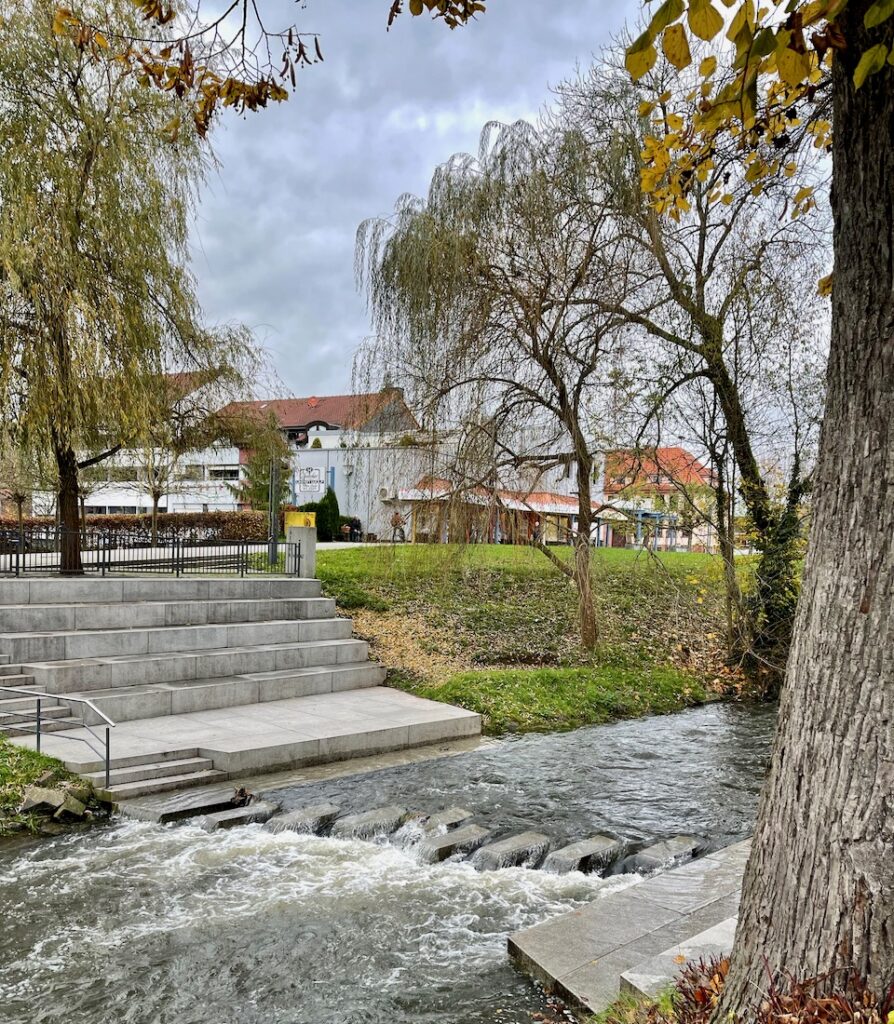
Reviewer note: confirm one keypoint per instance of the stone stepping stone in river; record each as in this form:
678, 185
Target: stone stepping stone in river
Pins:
448, 819
250, 814
528, 848
383, 821
667, 853
593, 854
463, 840
312, 819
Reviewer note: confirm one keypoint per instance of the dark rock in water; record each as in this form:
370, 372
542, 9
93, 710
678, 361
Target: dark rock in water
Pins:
460, 840
379, 822
592, 854
448, 819
38, 800
250, 814
667, 853
528, 849
313, 819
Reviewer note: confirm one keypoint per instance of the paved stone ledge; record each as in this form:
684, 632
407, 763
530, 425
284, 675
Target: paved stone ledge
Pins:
581, 956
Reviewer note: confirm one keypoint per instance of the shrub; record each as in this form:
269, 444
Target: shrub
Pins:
244, 525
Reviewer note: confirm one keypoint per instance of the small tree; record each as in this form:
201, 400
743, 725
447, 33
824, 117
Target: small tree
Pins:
485, 300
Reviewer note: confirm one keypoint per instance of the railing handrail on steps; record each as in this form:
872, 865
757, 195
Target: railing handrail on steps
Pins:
38, 696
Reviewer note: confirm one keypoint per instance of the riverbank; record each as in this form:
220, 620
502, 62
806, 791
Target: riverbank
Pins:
22, 774
494, 629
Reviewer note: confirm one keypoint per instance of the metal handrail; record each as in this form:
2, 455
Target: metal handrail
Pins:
39, 696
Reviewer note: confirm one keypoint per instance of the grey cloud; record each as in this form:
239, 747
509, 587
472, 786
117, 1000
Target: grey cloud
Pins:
274, 241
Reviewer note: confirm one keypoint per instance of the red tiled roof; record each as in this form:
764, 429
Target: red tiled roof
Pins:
348, 411
680, 466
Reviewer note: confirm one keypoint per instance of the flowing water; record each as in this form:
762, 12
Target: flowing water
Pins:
162, 924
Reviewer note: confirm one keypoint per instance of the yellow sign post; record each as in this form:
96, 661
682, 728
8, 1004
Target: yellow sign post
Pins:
301, 519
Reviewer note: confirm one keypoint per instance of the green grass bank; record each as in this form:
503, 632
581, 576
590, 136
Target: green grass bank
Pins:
494, 629
20, 768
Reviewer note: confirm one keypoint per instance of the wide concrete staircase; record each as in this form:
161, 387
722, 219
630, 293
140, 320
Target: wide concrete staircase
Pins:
162, 658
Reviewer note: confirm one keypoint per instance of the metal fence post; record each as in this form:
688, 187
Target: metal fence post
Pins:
37, 727
108, 756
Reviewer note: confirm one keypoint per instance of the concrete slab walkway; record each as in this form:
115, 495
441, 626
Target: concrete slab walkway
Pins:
281, 733
581, 956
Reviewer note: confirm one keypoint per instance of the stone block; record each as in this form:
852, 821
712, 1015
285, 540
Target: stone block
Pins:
381, 821
444, 821
39, 800
256, 812
527, 848
667, 853
592, 854
463, 841
71, 809
312, 819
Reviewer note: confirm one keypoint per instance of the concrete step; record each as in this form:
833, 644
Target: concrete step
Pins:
128, 790
97, 764
52, 725
29, 713
41, 618
85, 674
8, 702
109, 643
9, 671
656, 974
114, 590
151, 770
128, 703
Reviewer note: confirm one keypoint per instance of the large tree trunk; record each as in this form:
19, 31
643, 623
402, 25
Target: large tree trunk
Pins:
69, 511
819, 887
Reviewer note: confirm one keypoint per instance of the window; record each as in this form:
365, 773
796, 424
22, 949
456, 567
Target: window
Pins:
191, 472
223, 474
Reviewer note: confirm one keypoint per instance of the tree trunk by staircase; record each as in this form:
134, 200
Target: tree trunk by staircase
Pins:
69, 511
819, 887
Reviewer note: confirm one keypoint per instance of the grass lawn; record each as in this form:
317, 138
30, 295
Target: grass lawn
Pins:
493, 628
20, 768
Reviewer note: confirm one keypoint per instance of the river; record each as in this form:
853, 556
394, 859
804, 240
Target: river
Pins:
131, 922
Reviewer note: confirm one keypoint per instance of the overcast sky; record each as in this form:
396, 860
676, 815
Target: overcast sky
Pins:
274, 241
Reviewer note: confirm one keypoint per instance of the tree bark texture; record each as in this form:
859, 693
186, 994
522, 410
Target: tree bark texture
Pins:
819, 886
69, 511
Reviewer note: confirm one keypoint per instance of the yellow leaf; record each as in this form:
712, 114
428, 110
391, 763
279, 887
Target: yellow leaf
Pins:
707, 67
645, 108
803, 193
791, 169
100, 40
824, 288
793, 67
640, 62
416, 7
676, 47
674, 122
880, 11
704, 19
666, 14
872, 60
727, 199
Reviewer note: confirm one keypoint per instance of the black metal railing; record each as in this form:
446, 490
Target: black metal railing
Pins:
39, 550
28, 721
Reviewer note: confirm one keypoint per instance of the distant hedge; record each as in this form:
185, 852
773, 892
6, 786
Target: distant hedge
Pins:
245, 525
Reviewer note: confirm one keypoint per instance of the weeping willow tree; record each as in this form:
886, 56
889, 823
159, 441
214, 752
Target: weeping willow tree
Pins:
482, 296
96, 300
